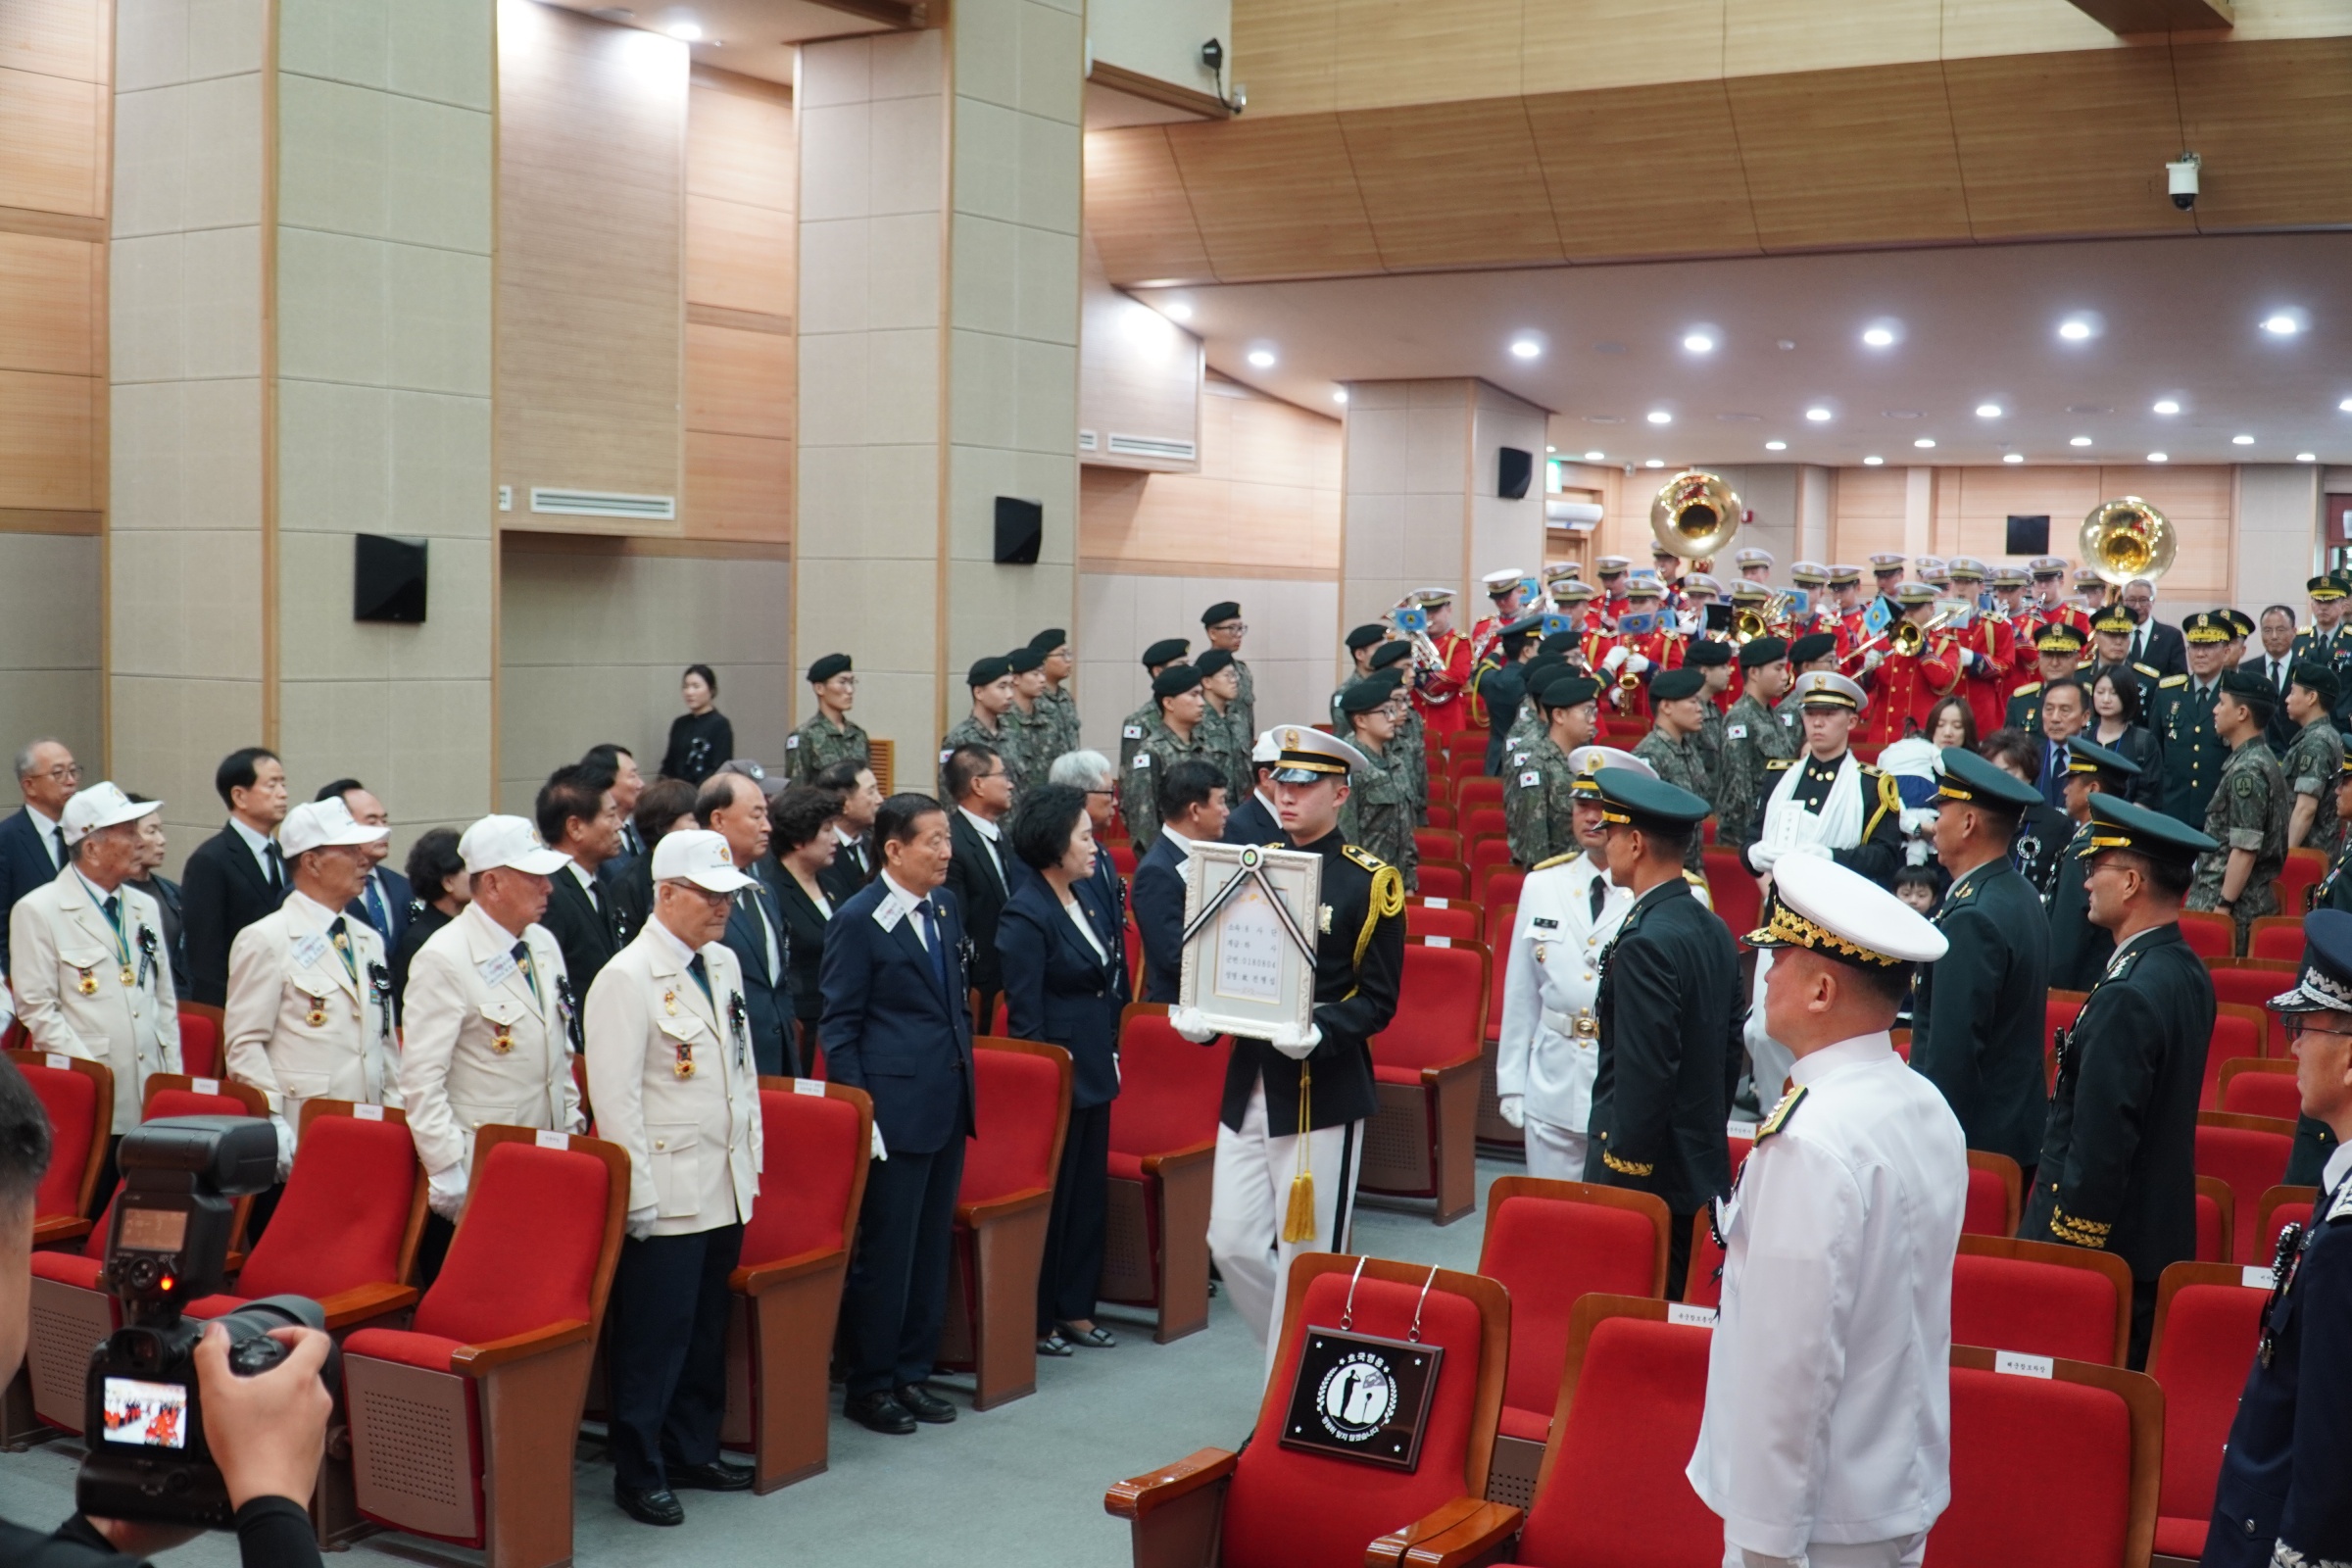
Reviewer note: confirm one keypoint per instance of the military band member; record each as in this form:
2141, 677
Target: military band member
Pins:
2118, 1168
1295, 1105
1507, 590
1176, 735
1976, 1017
2313, 760
1220, 721
1698, 591
1222, 624
1644, 652
2050, 606
2247, 818
1753, 562
310, 993
1752, 736
1539, 800
1672, 746
1608, 576
1668, 1013
1377, 816
1137, 725
671, 1075
1905, 686
2193, 751
1827, 1426
828, 735
1440, 694
2078, 949
991, 682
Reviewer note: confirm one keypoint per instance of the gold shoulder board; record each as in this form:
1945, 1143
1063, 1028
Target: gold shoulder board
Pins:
2027, 690
1364, 859
1557, 860
1781, 1113
2174, 680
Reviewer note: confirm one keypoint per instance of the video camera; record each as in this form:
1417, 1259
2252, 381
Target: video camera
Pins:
169, 1246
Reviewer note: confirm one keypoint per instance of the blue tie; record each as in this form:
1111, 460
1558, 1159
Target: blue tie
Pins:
701, 977
939, 952
376, 916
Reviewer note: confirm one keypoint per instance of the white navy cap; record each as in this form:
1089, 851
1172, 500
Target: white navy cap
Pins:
1825, 688
508, 842
1587, 761
322, 824
699, 857
1821, 906
1307, 754
101, 806
1268, 748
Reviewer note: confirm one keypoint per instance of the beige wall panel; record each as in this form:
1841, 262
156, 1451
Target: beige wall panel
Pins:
1643, 171
739, 140
1866, 511
2285, 19
1286, 53
1274, 198
739, 383
1394, 52
2277, 117
50, 440
1266, 498
1137, 210
738, 487
740, 258
1851, 157
1763, 36
52, 143
55, 37
1580, 45
2069, 143
1972, 28
1452, 185
49, 291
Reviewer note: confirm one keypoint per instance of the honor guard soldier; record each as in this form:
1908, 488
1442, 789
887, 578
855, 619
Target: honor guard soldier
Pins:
2058, 654
1906, 686
1176, 735
1378, 816
828, 735
1609, 574
1752, 737
2183, 718
490, 1022
2281, 1497
310, 994
1754, 563
1827, 1429
1507, 590
2247, 817
1977, 1018
1569, 912
1222, 624
671, 1075
1056, 702
1137, 725
1290, 1130
1672, 747
1539, 796
2118, 1168
1668, 1016
92, 977
2313, 761
2080, 950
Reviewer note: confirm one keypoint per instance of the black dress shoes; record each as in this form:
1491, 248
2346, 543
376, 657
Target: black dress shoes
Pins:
922, 1404
878, 1412
649, 1507
716, 1476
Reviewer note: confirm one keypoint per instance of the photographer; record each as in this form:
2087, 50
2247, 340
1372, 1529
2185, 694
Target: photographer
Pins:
266, 1433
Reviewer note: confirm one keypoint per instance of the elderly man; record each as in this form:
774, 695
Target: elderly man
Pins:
734, 807
385, 899
32, 841
310, 993
2153, 643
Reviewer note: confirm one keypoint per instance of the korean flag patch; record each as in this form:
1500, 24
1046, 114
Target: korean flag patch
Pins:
1736, 732
1530, 779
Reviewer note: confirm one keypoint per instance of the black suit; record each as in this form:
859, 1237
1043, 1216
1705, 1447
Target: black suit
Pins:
1976, 1028
854, 866
222, 893
588, 931
165, 893
806, 924
1159, 901
397, 906
26, 864
766, 993
982, 878
2280, 732
1252, 822
2167, 653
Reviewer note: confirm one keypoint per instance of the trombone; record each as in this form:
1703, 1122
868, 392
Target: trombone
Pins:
1749, 625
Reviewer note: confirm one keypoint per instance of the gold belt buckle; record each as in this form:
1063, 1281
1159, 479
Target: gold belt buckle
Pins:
1587, 1025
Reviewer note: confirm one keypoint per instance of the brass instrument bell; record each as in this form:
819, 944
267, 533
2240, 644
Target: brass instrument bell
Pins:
2126, 538
1695, 515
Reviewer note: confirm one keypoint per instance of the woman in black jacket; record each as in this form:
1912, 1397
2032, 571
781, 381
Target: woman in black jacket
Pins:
2117, 723
438, 883
701, 740
1063, 984
801, 839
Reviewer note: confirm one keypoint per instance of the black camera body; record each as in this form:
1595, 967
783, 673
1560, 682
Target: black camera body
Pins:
169, 1246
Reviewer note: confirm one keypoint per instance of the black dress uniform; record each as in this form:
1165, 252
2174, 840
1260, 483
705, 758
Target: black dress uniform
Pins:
2078, 949
2118, 1168
2043, 833
1881, 853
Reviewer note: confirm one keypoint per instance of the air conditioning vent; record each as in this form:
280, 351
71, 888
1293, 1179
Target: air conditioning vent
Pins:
1581, 515
605, 504
1086, 441
1149, 446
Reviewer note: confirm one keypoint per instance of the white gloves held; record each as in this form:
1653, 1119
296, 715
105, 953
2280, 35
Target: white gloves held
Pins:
285, 1146
1871, 659
445, 1191
1193, 1025
1512, 1109
880, 1152
1297, 1044
1615, 657
1635, 664
641, 1222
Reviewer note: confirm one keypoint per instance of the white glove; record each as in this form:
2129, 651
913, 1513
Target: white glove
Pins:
1297, 1044
880, 1152
1871, 659
286, 1147
445, 1191
1512, 1109
1189, 1022
1636, 664
1813, 847
1616, 656
1762, 857
641, 1222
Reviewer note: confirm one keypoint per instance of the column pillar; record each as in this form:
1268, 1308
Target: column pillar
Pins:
299, 327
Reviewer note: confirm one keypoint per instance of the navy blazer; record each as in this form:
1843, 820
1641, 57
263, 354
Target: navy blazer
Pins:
889, 1031
221, 892
398, 897
1059, 991
1158, 898
980, 893
767, 997
1250, 822
25, 865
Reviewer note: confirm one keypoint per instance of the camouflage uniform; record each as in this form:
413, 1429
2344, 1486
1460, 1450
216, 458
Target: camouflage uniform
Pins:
1539, 807
816, 746
1710, 742
2249, 811
1028, 740
1242, 713
1679, 762
1232, 747
2313, 765
1411, 751
1060, 712
1378, 813
1136, 728
1751, 737
1160, 751
1000, 740
1338, 718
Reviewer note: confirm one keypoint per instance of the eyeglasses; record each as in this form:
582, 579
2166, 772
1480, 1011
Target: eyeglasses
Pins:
1107, 794
1240, 628
63, 772
2296, 1028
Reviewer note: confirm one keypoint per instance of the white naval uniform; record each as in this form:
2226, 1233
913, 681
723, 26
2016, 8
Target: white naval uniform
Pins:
301, 1024
1551, 1046
1791, 829
1828, 1426
1251, 1199
69, 962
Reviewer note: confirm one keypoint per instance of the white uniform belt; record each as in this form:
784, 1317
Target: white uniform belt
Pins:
1570, 1024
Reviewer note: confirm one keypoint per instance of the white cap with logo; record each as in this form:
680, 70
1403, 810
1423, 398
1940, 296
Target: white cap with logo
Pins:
101, 806
507, 844
700, 858
322, 824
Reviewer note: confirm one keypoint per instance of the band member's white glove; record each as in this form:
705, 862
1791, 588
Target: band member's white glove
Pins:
445, 1191
1615, 657
640, 1222
1873, 659
1297, 1044
1190, 1023
879, 1152
1512, 1109
1635, 664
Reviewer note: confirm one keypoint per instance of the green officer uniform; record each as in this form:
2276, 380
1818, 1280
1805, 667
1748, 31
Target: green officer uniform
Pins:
2078, 949
2024, 709
2192, 752
2332, 648
2249, 811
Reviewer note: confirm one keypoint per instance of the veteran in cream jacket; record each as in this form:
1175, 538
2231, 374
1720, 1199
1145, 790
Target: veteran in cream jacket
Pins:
87, 989
310, 1013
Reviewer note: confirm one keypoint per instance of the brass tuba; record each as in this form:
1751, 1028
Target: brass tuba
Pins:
1695, 515
2126, 538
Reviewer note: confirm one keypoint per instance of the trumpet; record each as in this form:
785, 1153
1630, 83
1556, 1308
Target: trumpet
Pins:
1907, 637
1749, 625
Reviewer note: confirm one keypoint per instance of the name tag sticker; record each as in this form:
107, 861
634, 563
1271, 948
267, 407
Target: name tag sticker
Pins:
1543, 923
809, 1085
2022, 1366
309, 950
365, 1113
888, 914
1436, 942
57, 1062
497, 970
1689, 1316
2255, 1277
1433, 904
205, 1085
546, 1139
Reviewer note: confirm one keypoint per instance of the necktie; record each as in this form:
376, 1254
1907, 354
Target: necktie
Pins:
594, 900
936, 940
277, 869
522, 961
376, 916
339, 936
58, 834
1600, 895
113, 911
701, 977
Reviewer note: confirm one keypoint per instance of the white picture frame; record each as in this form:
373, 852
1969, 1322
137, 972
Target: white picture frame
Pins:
1244, 971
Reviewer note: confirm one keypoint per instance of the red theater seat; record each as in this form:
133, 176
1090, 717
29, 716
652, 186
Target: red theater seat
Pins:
1425, 1068
2279, 1208
2276, 936
1500, 884
1021, 1105
2296, 878
2237, 1034
1492, 1130
2209, 935
79, 1097
1702, 1285
2250, 1152
2251, 983
2216, 1210
1455, 918
1478, 792
2059, 1009
1437, 843
1485, 821
2260, 1088
198, 1040
1733, 888
2208, 1323
1995, 1194
1163, 1149
1442, 879
2042, 1298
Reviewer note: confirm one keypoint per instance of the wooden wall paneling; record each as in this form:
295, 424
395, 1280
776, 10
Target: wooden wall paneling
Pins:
1761, 37
739, 145
55, 37
2272, 121
1454, 184
1274, 198
2074, 143
1265, 441
1137, 210
49, 305
1972, 28
1288, 53
1576, 45
1850, 157
1396, 52
1638, 172
740, 257
738, 487
1866, 511
52, 143
738, 382
49, 441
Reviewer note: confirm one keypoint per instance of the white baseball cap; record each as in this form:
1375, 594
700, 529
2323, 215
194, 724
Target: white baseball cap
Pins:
700, 858
508, 843
101, 806
322, 824
1268, 748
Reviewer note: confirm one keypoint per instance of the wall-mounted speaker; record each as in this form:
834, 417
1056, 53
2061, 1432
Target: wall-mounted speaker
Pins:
2029, 537
1513, 474
1020, 530
388, 579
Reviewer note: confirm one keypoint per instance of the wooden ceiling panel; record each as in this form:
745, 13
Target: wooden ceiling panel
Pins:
1452, 185
2058, 144
2272, 121
1850, 158
1395, 52
1273, 198
1286, 52
1643, 171
1972, 27
1136, 208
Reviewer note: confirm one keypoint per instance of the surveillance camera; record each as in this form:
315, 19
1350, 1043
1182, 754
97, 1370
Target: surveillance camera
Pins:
1240, 99
2181, 179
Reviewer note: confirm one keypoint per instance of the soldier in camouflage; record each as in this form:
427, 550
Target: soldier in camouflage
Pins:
1056, 702
2313, 760
2247, 817
991, 683
1028, 727
1713, 659
827, 736
1176, 736
1362, 643
1220, 726
1412, 747
1137, 727
1539, 796
1752, 736
1378, 813
1222, 624
1671, 747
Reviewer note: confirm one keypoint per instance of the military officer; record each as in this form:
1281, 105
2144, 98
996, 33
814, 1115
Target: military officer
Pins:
1176, 734
2058, 654
2248, 813
1977, 1018
1533, 722
1272, 1197
1136, 727
1668, 1013
990, 680
1827, 1431
310, 996
1752, 736
828, 735
1672, 746
1538, 818
2335, 890
2313, 760
1378, 816
2080, 950
2112, 630
1222, 624
2118, 1168
2183, 718
671, 1075
1057, 702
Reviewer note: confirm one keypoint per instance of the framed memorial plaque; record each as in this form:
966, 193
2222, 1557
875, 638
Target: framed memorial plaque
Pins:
1363, 1398
1251, 914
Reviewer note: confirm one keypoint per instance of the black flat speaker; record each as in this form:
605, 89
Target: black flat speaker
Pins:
2029, 537
388, 579
1513, 474
1020, 530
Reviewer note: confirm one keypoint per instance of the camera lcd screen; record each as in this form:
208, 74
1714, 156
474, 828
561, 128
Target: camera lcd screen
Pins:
146, 1415
155, 1230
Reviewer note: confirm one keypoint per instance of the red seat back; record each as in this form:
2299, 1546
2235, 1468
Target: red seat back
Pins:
188, 1103
1485, 821
1486, 852
2235, 1038
1480, 791
1169, 1089
1987, 1210
2207, 1342
2209, 935
2251, 1161
1702, 1285
344, 1213
1548, 1251
2280, 1216
2303, 869
1442, 880
1019, 1098
1288, 1509
1734, 891
2059, 1010
1440, 1005
2015, 1303
812, 1159
526, 1249
70, 1099
1500, 884
2010, 1504
2277, 936
1437, 843
199, 1045
1459, 922
2263, 1094
2251, 983
2209, 1230
1617, 1494
1505, 923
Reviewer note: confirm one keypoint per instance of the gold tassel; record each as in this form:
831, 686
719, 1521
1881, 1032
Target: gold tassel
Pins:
1299, 1224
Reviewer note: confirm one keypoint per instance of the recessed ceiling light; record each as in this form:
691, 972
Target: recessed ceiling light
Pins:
685, 31
1594, 457
1552, 448
2013, 456
1177, 310
1878, 337
2307, 457
1263, 358
2345, 406
2241, 440
1817, 415
1988, 411
1658, 416
1776, 446
1925, 441
1341, 396
2074, 331
1699, 343
1608, 347
1655, 462
2078, 441
1526, 348
2167, 406
2281, 325
2160, 456
1872, 463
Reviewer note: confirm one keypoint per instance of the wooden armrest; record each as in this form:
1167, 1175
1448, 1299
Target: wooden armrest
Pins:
59, 1228
1138, 1495
1455, 1534
756, 1279
363, 1301
1177, 1159
475, 1359
976, 1215
1443, 1070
